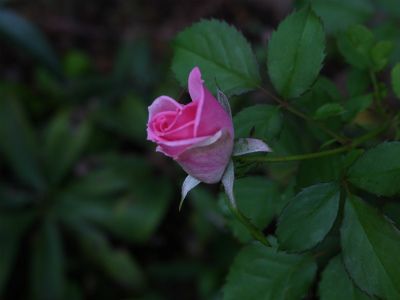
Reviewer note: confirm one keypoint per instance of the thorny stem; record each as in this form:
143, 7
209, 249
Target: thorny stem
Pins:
253, 230
341, 139
354, 144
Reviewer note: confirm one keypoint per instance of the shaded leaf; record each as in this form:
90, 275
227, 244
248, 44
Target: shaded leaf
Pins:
26, 36
370, 245
378, 170
221, 52
261, 273
257, 198
265, 120
295, 53
12, 227
336, 284
47, 264
396, 80
18, 142
307, 219
355, 45
63, 144
338, 15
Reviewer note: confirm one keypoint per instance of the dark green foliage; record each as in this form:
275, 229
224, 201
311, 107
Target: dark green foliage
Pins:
88, 209
263, 273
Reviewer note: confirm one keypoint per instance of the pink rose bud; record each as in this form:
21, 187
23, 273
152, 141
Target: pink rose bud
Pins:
198, 135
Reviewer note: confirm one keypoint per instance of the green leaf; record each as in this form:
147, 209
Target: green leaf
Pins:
356, 105
261, 273
319, 170
134, 64
264, 119
129, 118
76, 64
120, 197
17, 141
357, 82
390, 6
115, 263
26, 36
355, 45
221, 52
371, 247
378, 170
328, 110
295, 53
392, 210
335, 283
396, 80
307, 219
12, 228
338, 15
12, 198
257, 198
380, 54
63, 144
47, 265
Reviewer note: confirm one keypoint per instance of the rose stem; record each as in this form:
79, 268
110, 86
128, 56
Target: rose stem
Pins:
354, 144
253, 230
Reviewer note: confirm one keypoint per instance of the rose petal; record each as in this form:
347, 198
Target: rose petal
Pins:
175, 148
195, 84
210, 115
163, 104
207, 159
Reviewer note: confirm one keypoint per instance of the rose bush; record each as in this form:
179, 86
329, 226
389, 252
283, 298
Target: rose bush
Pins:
198, 135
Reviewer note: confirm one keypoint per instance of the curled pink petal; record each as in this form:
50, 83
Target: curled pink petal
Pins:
162, 104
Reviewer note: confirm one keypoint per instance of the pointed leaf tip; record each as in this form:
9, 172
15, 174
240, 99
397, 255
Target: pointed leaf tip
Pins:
188, 184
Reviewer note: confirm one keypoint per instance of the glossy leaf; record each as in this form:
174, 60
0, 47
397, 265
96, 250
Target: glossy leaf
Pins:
378, 170
221, 52
261, 273
370, 245
295, 53
307, 219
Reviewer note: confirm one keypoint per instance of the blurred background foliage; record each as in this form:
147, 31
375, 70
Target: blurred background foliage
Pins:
88, 210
